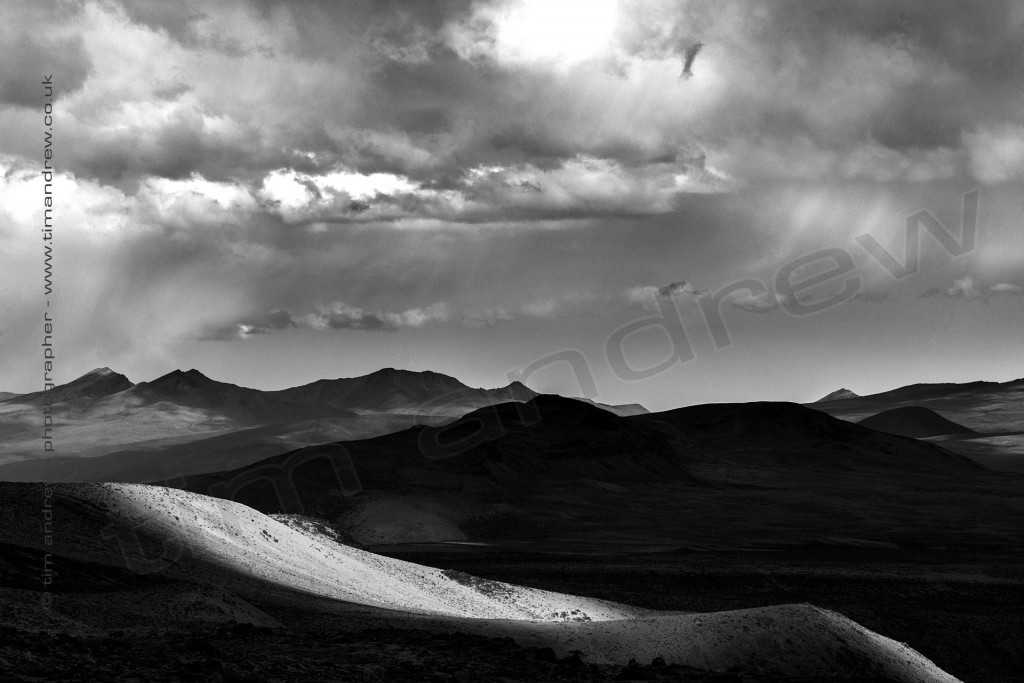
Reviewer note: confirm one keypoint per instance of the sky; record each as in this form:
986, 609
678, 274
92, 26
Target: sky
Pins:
658, 201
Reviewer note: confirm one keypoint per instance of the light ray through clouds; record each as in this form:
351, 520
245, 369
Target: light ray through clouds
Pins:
286, 178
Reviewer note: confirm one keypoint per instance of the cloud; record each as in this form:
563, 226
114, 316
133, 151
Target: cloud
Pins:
801, 158
996, 153
488, 317
274, 320
340, 316
432, 91
1006, 288
752, 302
646, 296
744, 300
277, 155
576, 188
967, 288
676, 289
335, 195
587, 186
39, 56
544, 308
561, 306
260, 324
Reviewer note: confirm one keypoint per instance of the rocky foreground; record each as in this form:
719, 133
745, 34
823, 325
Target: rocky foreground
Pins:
243, 653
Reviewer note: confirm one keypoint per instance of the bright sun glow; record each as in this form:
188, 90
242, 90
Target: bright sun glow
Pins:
565, 31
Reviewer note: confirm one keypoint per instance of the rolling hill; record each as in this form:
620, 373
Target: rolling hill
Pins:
190, 557
563, 473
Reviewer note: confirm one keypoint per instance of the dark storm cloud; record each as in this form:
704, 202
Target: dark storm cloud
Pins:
274, 320
26, 57
389, 30
517, 143
180, 147
980, 39
373, 87
377, 87
920, 115
177, 19
960, 59
824, 79
337, 104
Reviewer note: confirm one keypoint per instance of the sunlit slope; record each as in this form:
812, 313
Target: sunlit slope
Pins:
152, 529
791, 640
172, 533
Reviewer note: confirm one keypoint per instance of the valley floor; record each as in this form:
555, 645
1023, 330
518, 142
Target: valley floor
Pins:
965, 613
329, 652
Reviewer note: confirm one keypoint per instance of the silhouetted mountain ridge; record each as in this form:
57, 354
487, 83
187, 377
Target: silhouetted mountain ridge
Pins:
184, 380
754, 421
992, 410
517, 451
388, 390
396, 390
931, 391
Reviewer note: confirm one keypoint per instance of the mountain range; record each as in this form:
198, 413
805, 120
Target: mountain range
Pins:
988, 417
110, 429
384, 391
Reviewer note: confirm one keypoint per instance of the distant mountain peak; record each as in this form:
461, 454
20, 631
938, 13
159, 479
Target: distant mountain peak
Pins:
99, 374
517, 391
96, 383
177, 378
838, 395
